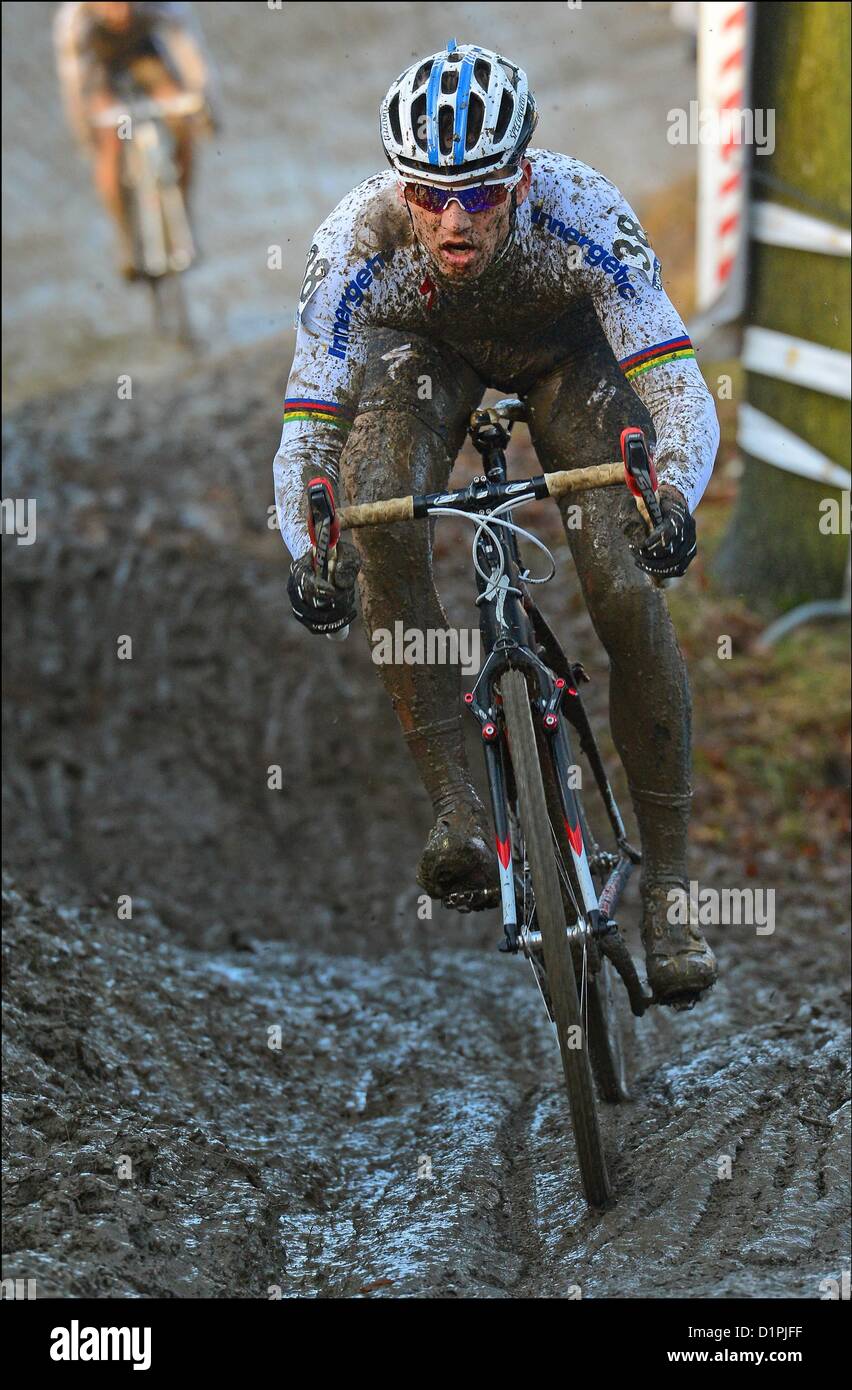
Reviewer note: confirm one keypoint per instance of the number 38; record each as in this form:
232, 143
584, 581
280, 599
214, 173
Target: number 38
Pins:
624, 248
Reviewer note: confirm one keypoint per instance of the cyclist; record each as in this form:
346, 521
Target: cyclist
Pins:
159, 49
479, 262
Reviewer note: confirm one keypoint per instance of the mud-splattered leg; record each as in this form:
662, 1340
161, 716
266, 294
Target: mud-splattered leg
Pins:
577, 415
401, 443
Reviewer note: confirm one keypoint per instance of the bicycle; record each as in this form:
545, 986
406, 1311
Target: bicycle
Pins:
162, 241
558, 887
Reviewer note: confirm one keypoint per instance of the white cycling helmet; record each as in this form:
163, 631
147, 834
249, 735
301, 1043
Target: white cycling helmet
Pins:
460, 114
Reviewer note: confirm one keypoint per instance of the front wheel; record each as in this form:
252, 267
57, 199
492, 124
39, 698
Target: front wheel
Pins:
171, 314
540, 853
609, 1032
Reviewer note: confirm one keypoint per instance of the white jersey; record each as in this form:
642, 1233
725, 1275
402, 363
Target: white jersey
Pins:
576, 262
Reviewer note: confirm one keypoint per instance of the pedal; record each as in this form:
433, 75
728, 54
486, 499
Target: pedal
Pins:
682, 1003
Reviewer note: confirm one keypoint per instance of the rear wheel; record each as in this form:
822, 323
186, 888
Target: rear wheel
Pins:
541, 855
607, 1043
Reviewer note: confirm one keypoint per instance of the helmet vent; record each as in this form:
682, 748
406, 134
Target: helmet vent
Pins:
482, 73
504, 116
422, 75
418, 122
446, 125
449, 81
393, 116
475, 118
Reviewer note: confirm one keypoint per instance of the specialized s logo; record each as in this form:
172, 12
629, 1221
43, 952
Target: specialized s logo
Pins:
429, 290
352, 296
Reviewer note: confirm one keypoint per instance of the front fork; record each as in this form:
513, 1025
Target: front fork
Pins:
554, 728
546, 708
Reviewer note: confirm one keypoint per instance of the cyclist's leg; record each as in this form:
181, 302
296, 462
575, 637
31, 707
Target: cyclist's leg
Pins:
106, 150
107, 158
413, 412
577, 414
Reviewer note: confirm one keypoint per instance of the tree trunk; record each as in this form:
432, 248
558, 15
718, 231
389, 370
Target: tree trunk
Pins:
774, 553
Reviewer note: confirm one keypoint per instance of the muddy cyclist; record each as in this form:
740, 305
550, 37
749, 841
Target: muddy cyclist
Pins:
477, 261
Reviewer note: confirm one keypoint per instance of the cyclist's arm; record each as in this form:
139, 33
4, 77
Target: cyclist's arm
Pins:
652, 348
180, 34
68, 44
322, 390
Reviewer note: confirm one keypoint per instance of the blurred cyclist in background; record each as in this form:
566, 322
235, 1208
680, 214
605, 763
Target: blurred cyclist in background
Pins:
157, 49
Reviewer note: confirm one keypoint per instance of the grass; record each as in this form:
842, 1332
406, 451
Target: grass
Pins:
772, 756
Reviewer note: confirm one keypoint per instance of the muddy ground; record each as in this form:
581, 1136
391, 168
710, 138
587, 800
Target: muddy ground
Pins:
408, 1136
405, 1133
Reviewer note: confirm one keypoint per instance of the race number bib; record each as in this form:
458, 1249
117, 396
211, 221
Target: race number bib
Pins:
315, 272
634, 249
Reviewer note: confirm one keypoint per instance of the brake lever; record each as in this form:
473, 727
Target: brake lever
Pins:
324, 531
640, 474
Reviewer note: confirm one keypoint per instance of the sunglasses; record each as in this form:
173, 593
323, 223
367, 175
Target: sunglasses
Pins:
477, 199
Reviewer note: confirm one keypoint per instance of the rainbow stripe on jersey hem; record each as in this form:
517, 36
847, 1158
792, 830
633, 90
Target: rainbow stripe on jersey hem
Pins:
319, 412
673, 350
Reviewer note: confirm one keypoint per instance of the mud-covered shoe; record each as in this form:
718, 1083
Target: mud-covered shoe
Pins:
459, 864
679, 962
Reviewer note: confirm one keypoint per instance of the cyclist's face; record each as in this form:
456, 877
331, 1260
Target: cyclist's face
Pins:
462, 244
112, 16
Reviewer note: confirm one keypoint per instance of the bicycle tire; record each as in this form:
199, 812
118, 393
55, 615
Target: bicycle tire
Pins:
606, 1041
535, 824
607, 1050
145, 216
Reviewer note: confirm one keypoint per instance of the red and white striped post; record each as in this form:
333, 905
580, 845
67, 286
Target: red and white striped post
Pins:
724, 57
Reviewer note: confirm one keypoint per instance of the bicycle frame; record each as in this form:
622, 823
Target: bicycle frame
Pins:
508, 631
516, 636
160, 224
512, 627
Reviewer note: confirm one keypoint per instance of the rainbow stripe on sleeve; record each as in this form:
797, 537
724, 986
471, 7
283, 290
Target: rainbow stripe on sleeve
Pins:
320, 412
673, 350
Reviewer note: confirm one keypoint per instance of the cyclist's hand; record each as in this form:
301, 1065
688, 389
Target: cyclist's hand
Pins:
325, 605
668, 550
